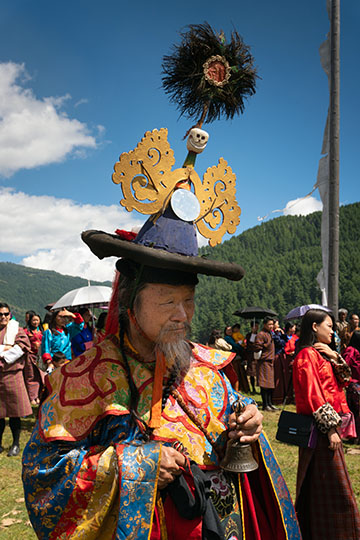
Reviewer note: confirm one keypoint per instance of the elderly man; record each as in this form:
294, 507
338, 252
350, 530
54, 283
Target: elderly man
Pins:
130, 439
131, 442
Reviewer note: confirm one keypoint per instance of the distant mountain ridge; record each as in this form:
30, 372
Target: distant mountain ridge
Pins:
25, 288
282, 258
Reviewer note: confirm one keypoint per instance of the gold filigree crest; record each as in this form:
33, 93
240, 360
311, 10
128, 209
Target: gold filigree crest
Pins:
147, 181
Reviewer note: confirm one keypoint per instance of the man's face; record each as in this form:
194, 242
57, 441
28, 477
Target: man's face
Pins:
342, 315
4, 317
269, 326
166, 310
354, 320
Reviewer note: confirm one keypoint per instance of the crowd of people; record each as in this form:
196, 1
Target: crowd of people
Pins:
29, 353
264, 357
316, 363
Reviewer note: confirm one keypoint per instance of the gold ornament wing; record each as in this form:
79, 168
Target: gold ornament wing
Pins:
220, 212
144, 173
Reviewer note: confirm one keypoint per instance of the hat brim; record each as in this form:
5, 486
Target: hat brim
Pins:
110, 245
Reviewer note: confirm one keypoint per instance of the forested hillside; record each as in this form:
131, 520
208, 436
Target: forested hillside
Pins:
28, 288
282, 258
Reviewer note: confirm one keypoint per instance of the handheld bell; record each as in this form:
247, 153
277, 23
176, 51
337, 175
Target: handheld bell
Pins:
238, 457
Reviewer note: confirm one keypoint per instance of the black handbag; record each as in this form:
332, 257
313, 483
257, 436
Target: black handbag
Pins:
298, 429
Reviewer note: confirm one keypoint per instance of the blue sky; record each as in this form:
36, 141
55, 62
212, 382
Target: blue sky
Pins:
80, 83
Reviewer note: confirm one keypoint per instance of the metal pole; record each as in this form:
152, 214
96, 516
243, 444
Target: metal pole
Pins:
333, 286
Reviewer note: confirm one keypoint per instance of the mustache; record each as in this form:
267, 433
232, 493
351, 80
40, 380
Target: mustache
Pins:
171, 327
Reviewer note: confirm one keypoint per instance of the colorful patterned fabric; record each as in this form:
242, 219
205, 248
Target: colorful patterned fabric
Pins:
88, 473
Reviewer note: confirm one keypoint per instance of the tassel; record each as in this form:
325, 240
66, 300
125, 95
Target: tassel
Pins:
161, 512
156, 402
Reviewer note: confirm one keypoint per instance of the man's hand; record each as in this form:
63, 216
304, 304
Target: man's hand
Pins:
248, 426
170, 466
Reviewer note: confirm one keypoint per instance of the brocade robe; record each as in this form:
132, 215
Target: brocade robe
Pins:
88, 473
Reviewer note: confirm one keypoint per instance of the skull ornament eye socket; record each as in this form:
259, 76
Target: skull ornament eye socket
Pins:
197, 140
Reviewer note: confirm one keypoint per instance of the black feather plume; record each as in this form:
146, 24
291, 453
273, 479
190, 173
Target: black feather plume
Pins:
185, 79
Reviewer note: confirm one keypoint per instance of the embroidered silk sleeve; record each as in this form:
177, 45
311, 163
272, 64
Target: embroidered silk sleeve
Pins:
101, 487
46, 343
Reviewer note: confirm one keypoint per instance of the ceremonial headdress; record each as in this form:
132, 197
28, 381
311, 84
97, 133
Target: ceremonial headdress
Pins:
208, 77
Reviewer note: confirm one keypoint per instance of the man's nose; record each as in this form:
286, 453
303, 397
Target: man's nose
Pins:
179, 313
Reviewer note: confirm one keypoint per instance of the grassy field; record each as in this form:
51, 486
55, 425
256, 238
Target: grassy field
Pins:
14, 522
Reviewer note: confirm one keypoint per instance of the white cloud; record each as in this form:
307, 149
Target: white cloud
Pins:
202, 241
302, 206
46, 232
34, 131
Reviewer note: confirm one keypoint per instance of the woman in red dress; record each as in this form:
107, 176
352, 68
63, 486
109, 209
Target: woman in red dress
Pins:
33, 375
325, 501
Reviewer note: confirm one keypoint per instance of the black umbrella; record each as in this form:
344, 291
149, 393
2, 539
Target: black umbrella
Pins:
255, 312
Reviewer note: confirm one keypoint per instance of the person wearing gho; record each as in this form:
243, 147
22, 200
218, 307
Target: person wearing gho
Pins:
63, 326
264, 353
14, 396
325, 502
278, 336
250, 360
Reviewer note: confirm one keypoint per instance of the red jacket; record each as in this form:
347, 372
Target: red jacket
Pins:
315, 383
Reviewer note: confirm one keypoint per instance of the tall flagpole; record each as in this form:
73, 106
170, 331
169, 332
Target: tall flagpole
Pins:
334, 136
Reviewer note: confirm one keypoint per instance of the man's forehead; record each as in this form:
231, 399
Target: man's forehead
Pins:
163, 289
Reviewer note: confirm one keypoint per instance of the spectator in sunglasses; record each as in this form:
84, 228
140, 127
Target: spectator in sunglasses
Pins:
14, 397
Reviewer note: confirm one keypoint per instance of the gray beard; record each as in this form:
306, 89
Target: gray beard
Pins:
177, 353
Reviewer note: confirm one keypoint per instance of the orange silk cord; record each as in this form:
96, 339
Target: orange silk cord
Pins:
156, 402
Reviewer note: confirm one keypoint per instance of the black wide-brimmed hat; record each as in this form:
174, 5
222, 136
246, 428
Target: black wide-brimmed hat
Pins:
169, 244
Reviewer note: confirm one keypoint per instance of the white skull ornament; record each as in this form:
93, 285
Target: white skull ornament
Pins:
197, 140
